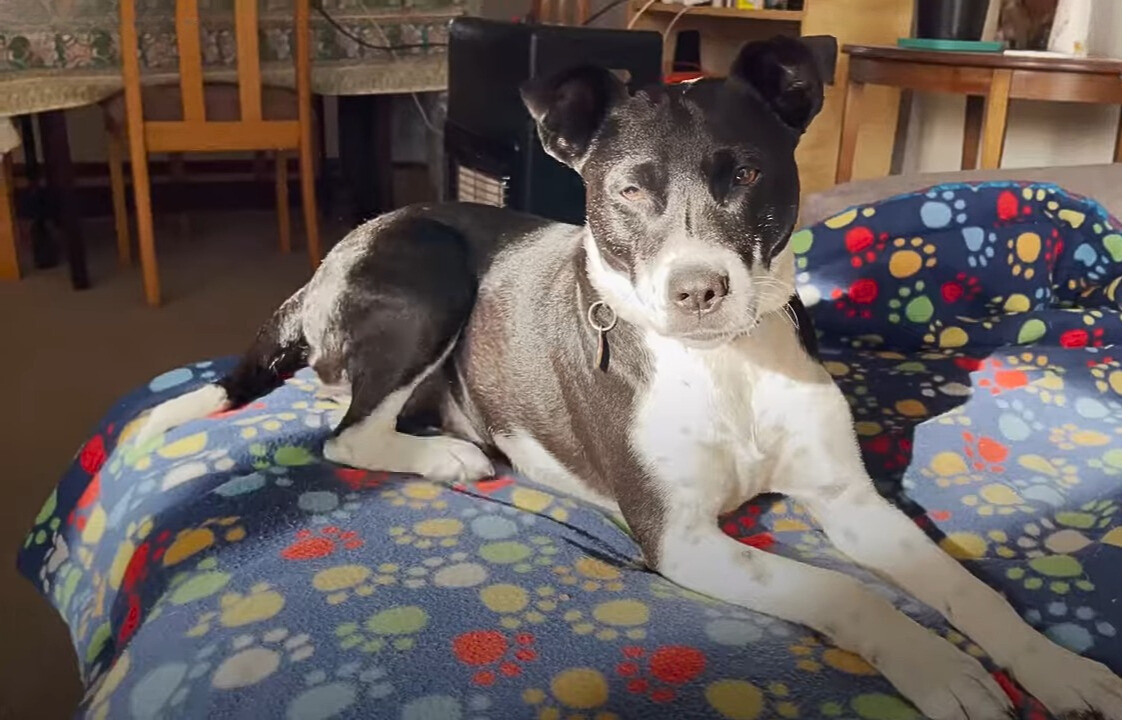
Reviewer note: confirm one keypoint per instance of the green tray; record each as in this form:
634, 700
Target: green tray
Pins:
950, 45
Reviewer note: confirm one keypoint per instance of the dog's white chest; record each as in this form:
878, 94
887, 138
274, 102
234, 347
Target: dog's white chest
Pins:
700, 425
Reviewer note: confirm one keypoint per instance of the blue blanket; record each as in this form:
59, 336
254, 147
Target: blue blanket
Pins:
225, 570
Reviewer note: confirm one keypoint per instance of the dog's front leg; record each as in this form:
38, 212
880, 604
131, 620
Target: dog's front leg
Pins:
823, 470
687, 547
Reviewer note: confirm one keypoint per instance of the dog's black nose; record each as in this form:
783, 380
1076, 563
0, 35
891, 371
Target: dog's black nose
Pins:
697, 289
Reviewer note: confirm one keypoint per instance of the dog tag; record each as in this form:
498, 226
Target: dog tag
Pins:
603, 352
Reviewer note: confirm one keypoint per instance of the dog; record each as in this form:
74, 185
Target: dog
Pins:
656, 361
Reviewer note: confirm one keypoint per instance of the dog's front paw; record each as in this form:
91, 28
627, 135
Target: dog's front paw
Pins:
1069, 685
943, 682
450, 460
439, 458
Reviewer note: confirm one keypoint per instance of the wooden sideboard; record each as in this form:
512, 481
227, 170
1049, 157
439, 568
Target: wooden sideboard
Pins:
868, 22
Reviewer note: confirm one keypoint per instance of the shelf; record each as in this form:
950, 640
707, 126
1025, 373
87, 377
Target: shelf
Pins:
722, 12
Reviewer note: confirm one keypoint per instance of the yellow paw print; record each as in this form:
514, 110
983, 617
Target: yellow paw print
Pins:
425, 534
192, 541
813, 656
590, 575
416, 495
949, 468
252, 427
518, 606
997, 499
910, 256
541, 503
576, 692
815, 545
342, 582
1108, 376
1024, 250
610, 620
260, 603
1069, 437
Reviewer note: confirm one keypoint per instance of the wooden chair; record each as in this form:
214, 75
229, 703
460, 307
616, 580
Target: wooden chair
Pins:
558, 12
203, 120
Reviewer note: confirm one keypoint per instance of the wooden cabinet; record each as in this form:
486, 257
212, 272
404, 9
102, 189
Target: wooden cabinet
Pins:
867, 22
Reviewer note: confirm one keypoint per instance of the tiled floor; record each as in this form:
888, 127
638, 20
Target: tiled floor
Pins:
65, 357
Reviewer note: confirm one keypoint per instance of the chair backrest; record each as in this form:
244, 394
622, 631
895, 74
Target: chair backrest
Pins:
194, 131
559, 12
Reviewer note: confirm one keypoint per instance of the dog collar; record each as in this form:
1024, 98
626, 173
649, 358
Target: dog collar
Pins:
602, 318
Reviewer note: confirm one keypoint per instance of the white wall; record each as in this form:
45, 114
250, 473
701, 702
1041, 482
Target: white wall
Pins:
1039, 133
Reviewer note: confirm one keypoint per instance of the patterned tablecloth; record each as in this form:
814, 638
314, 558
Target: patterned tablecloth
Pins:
57, 54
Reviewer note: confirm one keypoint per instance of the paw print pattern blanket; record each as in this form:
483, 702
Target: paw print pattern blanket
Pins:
225, 570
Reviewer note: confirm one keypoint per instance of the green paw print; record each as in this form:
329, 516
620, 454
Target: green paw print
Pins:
1059, 573
1095, 515
395, 628
519, 556
46, 522
911, 304
265, 457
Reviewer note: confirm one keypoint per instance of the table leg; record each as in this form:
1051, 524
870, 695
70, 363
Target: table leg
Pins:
355, 147
60, 173
972, 130
996, 116
1118, 140
365, 143
383, 151
851, 123
44, 254
9, 230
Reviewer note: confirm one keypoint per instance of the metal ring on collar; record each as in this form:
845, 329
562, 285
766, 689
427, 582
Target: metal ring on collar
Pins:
592, 316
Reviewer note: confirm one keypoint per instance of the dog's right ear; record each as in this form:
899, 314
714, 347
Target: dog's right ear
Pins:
569, 108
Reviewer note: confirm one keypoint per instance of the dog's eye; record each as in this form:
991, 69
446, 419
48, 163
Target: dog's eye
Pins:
745, 176
633, 193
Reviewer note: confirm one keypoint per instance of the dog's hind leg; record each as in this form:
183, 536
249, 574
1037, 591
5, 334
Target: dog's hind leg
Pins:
368, 437
407, 302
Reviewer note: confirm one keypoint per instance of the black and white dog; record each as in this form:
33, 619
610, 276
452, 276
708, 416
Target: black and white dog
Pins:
656, 361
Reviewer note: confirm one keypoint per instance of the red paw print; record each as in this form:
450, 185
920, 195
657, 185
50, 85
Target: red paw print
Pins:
493, 654
360, 479
856, 300
863, 246
895, 453
962, 287
81, 512
1002, 378
311, 545
1079, 338
666, 667
985, 453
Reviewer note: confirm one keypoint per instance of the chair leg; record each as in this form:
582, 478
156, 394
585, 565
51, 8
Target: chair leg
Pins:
120, 204
308, 201
283, 219
179, 177
9, 230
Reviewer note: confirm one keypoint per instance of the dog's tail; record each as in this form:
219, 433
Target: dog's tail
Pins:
279, 350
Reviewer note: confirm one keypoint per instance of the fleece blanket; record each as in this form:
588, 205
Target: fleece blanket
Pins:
225, 570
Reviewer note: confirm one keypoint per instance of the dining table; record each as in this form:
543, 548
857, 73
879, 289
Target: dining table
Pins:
56, 55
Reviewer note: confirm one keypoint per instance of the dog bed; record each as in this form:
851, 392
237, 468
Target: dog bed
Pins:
225, 570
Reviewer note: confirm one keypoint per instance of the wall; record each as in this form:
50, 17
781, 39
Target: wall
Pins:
1039, 134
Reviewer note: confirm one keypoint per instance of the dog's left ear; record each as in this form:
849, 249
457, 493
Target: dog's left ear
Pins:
789, 74
569, 108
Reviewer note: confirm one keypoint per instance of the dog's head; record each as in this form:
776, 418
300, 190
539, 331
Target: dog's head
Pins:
692, 189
